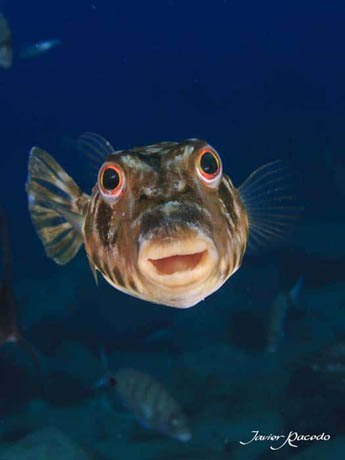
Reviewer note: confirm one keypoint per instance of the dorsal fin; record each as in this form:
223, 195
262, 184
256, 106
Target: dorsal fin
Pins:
95, 147
269, 198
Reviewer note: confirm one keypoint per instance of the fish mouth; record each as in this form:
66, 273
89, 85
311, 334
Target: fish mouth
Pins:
178, 263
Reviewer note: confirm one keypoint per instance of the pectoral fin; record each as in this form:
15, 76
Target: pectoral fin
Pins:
57, 206
270, 200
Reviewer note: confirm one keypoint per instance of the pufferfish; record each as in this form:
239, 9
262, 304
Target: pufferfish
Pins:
163, 223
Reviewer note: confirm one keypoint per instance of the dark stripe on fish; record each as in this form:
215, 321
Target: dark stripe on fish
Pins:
153, 160
132, 284
118, 277
95, 259
227, 197
103, 219
108, 272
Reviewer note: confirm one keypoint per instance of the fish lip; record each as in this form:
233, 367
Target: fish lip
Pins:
165, 265
197, 252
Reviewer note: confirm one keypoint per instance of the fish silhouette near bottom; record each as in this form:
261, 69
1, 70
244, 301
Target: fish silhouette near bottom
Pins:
164, 223
9, 328
148, 401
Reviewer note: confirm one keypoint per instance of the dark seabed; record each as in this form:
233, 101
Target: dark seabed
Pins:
260, 81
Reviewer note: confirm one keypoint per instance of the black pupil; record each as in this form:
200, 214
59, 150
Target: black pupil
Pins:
209, 163
111, 179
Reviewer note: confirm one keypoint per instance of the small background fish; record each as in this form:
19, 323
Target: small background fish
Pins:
149, 402
10, 331
36, 49
6, 52
278, 312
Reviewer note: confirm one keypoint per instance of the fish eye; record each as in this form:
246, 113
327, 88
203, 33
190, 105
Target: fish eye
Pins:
111, 180
209, 166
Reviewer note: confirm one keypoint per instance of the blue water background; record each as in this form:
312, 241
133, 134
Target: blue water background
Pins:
259, 80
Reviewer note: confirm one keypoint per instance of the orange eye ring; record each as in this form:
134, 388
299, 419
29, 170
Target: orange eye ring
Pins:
111, 180
208, 165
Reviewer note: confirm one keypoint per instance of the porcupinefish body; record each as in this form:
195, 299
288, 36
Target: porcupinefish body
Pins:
163, 223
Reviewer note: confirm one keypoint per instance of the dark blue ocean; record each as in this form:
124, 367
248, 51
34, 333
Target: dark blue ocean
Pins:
259, 81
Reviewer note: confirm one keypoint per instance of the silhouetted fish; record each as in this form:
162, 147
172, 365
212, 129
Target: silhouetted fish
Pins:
330, 362
9, 329
280, 306
163, 223
6, 52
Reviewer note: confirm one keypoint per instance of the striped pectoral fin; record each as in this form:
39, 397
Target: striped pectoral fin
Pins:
56, 205
270, 201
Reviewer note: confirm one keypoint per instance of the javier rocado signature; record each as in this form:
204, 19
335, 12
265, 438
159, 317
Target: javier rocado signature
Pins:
281, 440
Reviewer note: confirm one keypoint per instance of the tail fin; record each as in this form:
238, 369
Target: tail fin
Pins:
56, 205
